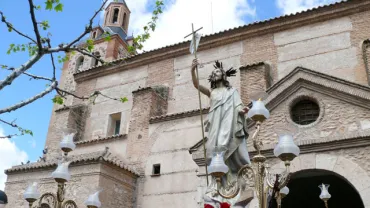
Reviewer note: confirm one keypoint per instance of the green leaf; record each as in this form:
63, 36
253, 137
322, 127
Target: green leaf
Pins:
108, 38
58, 100
10, 48
38, 7
59, 7
123, 99
45, 24
26, 131
49, 5
90, 44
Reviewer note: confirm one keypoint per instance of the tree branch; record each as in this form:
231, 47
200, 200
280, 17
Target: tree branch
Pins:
109, 97
8, 136
52, 59
11, 77
88, 28
12, 124
53, 85
35, 27
33, 76
87, 53
12, 28
64, 92
16, 72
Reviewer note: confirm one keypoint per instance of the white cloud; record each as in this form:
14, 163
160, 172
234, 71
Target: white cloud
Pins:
10, 155
293, 6
175, 22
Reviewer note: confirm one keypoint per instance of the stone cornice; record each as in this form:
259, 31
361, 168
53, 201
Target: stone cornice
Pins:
64, 108
332, 86
250, 66
101, 140
83, 159
175, 116
319, 14
307, 146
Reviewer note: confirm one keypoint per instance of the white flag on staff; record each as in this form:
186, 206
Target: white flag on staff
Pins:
197, 40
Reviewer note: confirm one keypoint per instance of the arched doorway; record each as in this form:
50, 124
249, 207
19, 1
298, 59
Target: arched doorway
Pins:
304, 191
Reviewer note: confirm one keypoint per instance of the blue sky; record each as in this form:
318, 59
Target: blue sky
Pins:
65, 26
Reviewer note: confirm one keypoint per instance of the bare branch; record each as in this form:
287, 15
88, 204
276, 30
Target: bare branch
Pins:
35, 27
53, 85
109, 97
33, 76
15, 30
8, 136
87, 53
52, 59
88, 28
63, 93
12, 124
18, 71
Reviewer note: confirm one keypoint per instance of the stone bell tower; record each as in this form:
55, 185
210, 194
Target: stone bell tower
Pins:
117, 14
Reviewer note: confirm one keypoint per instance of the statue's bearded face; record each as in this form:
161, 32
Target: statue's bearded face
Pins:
217, 75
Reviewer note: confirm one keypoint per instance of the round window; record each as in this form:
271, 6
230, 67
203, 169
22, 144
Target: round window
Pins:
305, 112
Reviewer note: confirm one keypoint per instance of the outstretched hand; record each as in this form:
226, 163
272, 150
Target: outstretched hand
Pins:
244, 111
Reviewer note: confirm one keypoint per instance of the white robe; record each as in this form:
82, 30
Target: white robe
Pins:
226, 127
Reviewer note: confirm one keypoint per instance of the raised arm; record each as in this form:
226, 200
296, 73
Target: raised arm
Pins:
202, 89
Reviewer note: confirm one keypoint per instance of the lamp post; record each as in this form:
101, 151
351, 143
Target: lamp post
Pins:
61, 175
325, 196
285, 150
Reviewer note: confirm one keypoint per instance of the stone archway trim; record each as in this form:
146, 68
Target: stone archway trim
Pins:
344, 167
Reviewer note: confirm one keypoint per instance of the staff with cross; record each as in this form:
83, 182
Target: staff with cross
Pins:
193, 50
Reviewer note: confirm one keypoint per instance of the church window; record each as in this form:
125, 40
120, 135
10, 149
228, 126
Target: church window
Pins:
114, 124
124, 20
79, 63
95, 62
115, 15
107, 17
94, 35
156, 169
305, 112
117, 126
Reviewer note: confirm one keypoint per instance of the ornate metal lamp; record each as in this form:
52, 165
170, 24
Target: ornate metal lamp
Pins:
31, 194
61, 175
286, 150
93, 200
325, 196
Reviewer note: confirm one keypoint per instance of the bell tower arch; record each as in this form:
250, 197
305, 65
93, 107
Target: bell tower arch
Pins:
117, 14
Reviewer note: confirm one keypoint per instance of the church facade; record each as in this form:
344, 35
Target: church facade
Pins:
147, 152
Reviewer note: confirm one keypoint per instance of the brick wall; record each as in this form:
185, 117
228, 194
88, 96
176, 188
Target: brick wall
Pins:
254, 79
146, 103
118, 187
260, 49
